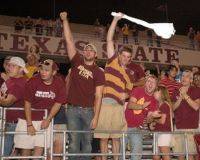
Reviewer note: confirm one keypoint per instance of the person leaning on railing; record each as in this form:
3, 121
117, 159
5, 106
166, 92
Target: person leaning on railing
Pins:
44, 91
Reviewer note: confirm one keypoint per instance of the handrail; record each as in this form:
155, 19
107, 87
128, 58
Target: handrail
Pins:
123, 153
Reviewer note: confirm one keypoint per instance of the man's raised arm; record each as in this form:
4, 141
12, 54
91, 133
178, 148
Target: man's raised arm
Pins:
110, 34
68, 36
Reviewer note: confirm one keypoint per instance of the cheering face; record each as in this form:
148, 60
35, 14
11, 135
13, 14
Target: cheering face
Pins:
13, 70
150, 85
187, 78
157, 95
89, 54
46, 74
124, 58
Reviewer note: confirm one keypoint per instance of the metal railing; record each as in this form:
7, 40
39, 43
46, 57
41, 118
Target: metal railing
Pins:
123, 153
3, 133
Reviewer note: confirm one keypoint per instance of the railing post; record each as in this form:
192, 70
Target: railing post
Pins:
51, 140
154, 143
123, 147
1, 131
64, 145
186, 146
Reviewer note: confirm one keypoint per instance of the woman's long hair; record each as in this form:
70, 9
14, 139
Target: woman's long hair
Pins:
166, 98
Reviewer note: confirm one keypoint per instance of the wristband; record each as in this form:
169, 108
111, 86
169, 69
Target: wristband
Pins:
29, 125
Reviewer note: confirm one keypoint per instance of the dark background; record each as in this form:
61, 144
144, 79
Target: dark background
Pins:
183, 13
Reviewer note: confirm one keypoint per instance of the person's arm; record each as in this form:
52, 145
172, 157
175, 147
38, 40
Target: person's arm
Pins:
139, 83
71, 49
54, 110
111, 31
162, 119
27, 109
97, 105
177, 103
133, 105
195, 104
8, 100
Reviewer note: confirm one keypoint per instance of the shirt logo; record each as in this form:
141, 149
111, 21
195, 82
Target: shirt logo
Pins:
50, 95
140, 102
84, 72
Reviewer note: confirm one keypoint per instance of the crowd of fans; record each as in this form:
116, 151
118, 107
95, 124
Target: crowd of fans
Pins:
123, 96
54, 28
194, 39
39, 26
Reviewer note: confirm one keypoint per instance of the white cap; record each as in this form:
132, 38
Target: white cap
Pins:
19, 62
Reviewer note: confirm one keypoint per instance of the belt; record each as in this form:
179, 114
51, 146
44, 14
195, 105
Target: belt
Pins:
79, 106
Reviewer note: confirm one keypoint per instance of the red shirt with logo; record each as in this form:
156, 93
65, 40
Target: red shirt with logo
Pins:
15, 87
42, 96
135, 118
185, 116
83, 82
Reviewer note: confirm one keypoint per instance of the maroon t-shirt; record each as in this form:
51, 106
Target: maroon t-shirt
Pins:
135, 118
15, 87
185, 116
137, 70
42, 96
83, 81
166, 127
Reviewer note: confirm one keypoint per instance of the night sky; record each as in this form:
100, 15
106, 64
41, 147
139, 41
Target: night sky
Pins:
183, 13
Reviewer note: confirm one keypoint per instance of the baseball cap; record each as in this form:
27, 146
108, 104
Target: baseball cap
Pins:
91, 46
49, 64
19, 62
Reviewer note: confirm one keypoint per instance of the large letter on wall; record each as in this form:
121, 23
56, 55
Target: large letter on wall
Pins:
140, 53
41, 41
19, 42
171, 55
155, 53
3, 36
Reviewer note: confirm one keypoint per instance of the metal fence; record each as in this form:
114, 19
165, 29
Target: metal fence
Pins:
49, 152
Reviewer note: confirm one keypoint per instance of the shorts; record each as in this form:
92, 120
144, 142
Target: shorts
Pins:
24, 141
178, 142
59, 136
111, 118
164, 140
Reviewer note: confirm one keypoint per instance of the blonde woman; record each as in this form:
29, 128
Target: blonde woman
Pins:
163, 123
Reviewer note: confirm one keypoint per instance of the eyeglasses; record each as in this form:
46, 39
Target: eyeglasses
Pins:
46, 63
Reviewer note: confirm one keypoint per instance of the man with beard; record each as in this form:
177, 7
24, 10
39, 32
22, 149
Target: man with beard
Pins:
85, 93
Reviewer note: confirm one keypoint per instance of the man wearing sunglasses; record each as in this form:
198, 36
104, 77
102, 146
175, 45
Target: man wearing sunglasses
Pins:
85, 93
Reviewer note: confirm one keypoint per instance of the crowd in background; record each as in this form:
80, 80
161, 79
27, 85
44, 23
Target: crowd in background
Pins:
39, 26
123, 96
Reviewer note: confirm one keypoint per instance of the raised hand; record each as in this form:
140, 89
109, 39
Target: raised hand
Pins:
118, 16
63, 16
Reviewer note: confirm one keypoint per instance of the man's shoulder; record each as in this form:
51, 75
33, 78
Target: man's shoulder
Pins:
138, 90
